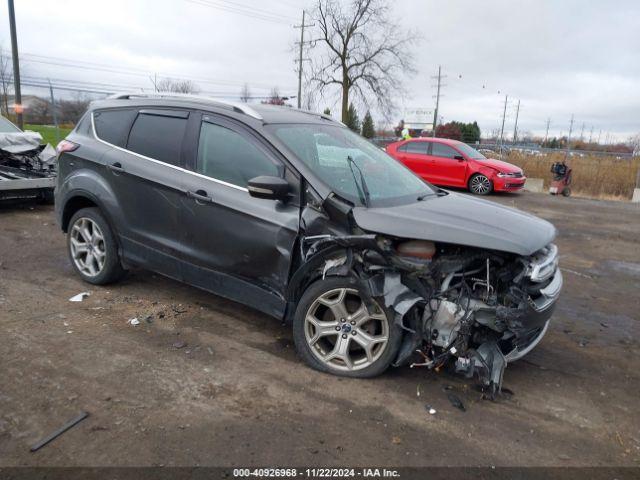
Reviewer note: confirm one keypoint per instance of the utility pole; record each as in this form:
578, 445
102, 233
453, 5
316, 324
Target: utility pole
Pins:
54, 113
582, 132
504, 115
302, 26
546, 135
599, 135
515, 129
437, 96
16, 66
569, 138
591, 134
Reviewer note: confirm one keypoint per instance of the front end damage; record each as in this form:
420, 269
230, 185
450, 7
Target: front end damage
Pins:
474, 309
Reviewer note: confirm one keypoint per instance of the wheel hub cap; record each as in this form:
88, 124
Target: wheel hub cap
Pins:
343, 333
86, 243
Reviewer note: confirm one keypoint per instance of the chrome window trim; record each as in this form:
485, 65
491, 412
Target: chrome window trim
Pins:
175, 167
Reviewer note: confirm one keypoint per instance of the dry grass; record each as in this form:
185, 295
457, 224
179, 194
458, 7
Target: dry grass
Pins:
593, 177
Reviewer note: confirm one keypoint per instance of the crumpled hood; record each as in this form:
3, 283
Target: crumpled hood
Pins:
462, 220
19, 142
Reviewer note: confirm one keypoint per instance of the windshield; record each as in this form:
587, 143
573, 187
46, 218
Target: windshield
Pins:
7, 127
470, 152
331, 152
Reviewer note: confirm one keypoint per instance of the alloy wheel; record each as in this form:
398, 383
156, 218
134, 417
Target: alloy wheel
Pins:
87, 246
480, 184
341, 331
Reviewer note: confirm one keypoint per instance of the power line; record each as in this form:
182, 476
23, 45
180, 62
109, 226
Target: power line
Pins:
107, 89
244, 10
91, 66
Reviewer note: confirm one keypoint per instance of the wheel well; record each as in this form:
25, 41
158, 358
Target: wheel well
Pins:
72, 206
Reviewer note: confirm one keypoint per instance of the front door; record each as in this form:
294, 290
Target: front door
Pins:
447, 169
236, 245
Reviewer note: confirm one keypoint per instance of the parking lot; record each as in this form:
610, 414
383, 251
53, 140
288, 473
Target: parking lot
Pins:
205, 381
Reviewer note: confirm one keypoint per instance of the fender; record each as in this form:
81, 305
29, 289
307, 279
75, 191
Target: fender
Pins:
87, 184
485, 170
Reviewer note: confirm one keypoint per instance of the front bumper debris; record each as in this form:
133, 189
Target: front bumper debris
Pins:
475, 308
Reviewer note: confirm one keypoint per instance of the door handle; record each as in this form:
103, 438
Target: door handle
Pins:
200, 196
116, 167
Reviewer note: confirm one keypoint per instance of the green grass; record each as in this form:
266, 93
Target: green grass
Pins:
48, 132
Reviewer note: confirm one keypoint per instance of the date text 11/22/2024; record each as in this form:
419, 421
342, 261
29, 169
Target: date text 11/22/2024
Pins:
316, 473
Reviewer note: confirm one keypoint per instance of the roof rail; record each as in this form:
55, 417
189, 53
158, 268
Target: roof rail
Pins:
316, 114
237, 107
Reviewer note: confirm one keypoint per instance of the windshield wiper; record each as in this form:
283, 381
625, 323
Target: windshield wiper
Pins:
439, 193
365, 196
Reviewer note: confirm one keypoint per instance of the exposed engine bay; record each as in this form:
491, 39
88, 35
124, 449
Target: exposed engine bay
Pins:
27, 168
474, 309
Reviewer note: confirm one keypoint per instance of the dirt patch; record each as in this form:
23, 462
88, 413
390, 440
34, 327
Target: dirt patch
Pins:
234, 392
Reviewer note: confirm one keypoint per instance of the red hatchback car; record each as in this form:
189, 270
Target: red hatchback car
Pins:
455, 164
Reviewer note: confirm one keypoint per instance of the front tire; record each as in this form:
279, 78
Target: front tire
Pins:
328, 314
480, 184
92, 246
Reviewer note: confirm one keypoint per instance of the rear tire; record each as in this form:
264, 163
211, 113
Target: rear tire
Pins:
566, 192
92, 247
480, 184
328, 313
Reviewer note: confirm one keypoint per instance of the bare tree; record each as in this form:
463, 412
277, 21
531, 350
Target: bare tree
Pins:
245, 93
70, 111
364, 54
6, 81
175, 85
39, 113
309, 101
634, 142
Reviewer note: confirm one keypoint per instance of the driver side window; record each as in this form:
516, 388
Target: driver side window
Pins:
226, 155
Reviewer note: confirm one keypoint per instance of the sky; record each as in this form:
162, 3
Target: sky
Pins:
558, 58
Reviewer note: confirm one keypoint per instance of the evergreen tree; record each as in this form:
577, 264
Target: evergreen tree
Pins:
352, 121
368, 128
327, 111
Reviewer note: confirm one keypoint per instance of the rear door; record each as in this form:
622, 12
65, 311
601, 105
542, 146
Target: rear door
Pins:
146, 176
415, 155
236, 245
447, 170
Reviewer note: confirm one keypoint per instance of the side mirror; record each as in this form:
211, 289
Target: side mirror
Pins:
270, 188
458, 157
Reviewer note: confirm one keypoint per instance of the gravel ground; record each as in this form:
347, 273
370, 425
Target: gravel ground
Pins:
205, 381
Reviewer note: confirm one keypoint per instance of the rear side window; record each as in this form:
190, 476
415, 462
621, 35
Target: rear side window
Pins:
226, 155
441, 150
113, 126
417, 147
158, 136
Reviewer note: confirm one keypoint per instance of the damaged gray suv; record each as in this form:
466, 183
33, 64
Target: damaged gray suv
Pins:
295, 215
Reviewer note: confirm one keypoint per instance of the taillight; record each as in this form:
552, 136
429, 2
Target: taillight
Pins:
66, 146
